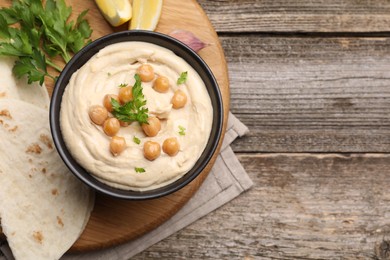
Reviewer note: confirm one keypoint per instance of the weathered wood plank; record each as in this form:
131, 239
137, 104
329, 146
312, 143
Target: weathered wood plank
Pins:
298, 16
302, 206
303, 94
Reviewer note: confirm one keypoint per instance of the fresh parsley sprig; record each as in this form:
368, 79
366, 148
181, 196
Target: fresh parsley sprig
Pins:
139, 169
182, 130
133, 110
36, 33
136, 140
63, 37
183, 78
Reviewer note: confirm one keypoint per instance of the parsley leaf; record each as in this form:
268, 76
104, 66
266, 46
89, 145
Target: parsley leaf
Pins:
34, 67
34, 33
136, 140
183, 78
182, 130
133, 110
139, 170
63, 37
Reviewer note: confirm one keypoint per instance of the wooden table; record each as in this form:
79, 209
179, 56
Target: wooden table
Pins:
311, 80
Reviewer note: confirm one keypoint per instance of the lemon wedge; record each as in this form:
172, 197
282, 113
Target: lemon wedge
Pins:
116, 12
146, 14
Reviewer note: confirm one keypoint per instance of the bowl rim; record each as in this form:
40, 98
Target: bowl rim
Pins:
94, 47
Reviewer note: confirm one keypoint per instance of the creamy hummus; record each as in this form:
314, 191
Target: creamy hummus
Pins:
102, 74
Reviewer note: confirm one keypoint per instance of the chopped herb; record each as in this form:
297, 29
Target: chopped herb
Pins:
123, 85
35, 33
183, 78
182, 130
140, 170
136, 140
109, 74
133, 110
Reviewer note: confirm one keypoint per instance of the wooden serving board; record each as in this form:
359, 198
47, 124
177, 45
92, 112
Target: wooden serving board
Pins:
115, 221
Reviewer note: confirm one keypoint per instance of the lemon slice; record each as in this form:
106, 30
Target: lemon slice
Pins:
116, 12
146, 14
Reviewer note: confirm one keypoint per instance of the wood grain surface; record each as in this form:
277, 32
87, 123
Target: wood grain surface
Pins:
115, 221
311, 80
303, 206
299, 16
311, 94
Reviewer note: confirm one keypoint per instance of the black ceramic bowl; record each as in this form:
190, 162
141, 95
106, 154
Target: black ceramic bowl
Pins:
179, 49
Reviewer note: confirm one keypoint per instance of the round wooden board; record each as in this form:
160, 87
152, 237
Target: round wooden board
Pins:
115, 221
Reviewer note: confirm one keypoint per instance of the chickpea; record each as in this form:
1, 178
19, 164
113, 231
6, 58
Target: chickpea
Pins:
98, 114
171, 146
107, 101
161, 84
146, 73
125, 94
179, 99
152, 150
111, 126
153, 127
117, 145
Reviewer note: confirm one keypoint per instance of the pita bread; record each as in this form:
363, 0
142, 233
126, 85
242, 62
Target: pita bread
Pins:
10, 87
43, 207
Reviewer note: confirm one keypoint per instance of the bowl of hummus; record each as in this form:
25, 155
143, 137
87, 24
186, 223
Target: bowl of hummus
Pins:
136, 115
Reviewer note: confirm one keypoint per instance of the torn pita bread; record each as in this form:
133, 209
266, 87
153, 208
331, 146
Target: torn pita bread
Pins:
10, 87
43, 207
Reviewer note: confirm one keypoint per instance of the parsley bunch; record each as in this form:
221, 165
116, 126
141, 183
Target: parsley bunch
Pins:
134, 110
36, 33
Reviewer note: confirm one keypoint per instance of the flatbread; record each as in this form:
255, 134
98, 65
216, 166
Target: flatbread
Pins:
43, 207
10, 87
